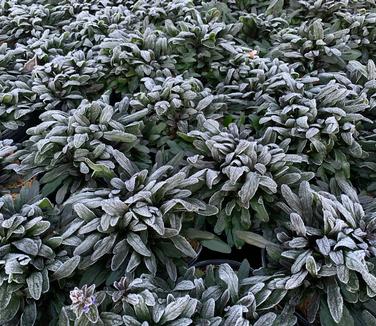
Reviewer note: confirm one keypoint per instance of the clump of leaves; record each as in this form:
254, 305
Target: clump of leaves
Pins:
22, 20
201, 41
324, 9
220, 298
314, 45
323, 252
127, 57
258, 29
322, 121
66, 80
254, 81
173, 104
241, 175
69, 150
17, 100
284, 86
361, 24
157, 12
137, 222
91, 26
363, 169
6, 148
30, 255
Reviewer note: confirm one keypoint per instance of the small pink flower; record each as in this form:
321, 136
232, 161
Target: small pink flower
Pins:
252, 54
77, 296
82, 299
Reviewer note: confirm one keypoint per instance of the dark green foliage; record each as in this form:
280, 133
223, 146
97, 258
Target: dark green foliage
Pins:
156, 127
221, 297
137, 222
32, 256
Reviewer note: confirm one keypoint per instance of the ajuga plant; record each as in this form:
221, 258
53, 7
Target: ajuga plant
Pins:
69, 150
219, 298
89, 29
157, 127
173, 105
64, 81
254, 81
241, 174
323, 252
324, 9
31, 255
137, 222
129, 56
194, 42
319, 117
20, 21
201, 40
259, 28
364, 76
6, 148
362, 32
314, 45
17, 100
364, 168
157, 12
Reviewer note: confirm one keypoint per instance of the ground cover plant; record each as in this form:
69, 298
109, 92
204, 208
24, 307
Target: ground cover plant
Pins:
183, 162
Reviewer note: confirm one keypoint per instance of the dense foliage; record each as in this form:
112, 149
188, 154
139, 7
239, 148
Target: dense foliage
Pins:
133, 134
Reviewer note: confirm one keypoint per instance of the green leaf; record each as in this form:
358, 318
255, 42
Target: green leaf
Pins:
83, 212
275, 8
5, 294
45, 204
217, 245
92, 315
311, 265
124, 162
327, 320
7, 313
334, 299
119, 136
35, 283
100, 170
174, 309
27, 246
204, 103
114, 207
259, 207
227, 275
300, 261
67, 268
368, 318
183, 245
104, 247
87, 244
254, 239
135, 241
185, 137
296, 280
266, 320
298, 224
196, 234
274, 299
38, 228
51, 186
29, 315
249, 188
